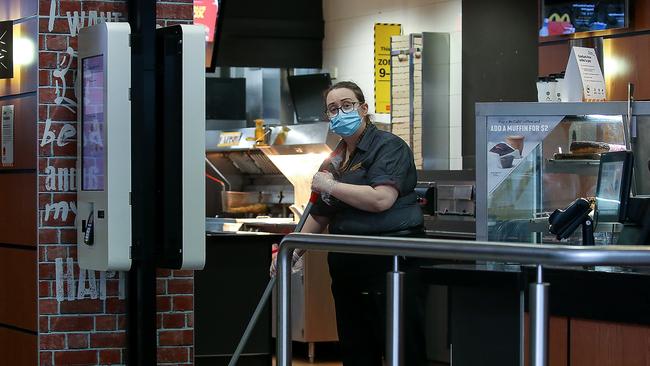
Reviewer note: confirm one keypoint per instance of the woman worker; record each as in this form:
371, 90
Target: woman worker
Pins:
367, 188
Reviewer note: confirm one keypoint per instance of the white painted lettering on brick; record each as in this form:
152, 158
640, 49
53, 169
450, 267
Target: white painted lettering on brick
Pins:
67, 132
122, 286
94, 19
59, 73
48, 135
102, 285
96, 288
91, 290
63, 277
77, 21
70, 279
59, 210
50, 23
50, 178
60, 179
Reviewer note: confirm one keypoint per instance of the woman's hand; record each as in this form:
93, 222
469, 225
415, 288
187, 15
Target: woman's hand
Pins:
274, 260
323, 182
296, 260
314, 224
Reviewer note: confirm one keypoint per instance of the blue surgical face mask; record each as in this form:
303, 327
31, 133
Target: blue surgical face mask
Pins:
345, 124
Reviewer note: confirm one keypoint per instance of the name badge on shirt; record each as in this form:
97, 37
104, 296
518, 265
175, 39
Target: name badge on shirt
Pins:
355, 167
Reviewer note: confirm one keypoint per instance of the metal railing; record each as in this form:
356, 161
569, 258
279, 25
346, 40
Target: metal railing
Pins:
535, 254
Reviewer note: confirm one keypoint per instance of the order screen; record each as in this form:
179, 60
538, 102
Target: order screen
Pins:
93, 156
608, 197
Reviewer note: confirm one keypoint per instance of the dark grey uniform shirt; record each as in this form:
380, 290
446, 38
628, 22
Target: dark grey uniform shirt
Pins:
380, 158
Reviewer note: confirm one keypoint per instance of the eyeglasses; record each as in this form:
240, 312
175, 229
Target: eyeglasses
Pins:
346, 107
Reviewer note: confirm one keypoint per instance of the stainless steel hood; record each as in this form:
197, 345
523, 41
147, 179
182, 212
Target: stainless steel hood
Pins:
278, 140
294, 151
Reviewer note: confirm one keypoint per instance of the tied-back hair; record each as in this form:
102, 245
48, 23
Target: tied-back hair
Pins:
358, 93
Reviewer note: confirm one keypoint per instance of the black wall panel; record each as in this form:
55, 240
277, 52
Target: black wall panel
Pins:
499, 59
261, 33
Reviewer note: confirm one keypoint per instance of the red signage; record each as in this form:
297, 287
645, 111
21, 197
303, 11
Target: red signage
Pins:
205, 13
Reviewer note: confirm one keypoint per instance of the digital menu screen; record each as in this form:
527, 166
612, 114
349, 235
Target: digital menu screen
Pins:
93, 143
610, 184
568, 17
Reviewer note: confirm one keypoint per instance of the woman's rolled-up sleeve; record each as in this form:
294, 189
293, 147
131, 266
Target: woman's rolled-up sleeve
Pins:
391, 166
320, 208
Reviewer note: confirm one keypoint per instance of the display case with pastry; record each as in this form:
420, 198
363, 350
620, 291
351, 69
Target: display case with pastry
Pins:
561, 161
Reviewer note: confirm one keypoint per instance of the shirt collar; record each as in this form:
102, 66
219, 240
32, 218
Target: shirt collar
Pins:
364, 142
367, 137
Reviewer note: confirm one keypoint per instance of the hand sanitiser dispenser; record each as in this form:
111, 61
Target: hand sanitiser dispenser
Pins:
104, 148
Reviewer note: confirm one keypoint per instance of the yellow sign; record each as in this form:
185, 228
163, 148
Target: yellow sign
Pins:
229, 139
383, 32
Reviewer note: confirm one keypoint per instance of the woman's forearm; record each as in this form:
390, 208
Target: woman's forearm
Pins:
315, 224
366, 198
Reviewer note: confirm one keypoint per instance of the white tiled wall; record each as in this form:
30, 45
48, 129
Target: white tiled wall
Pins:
348, 45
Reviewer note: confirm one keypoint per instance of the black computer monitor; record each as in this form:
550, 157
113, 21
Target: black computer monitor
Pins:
225, 98
613, 189
307, 95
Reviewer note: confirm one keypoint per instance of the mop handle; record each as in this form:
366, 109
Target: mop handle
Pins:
269, 289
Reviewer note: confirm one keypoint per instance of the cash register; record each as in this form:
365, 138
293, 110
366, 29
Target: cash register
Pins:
612, 203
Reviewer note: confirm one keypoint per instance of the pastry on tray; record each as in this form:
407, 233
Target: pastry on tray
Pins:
588, 147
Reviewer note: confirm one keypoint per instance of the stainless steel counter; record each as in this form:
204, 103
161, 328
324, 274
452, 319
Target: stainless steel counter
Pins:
260, 225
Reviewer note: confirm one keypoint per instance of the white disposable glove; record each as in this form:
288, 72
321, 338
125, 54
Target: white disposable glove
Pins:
323, 182
296, 261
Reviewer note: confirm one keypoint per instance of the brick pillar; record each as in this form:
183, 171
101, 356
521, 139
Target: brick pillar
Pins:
406, 91
81, 321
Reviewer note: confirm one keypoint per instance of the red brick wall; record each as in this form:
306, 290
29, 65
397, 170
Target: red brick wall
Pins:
84, 330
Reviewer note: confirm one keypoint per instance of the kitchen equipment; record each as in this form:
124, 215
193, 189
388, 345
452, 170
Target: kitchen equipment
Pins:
253, 202
264, 178
426, 193
223, 225
456, 199
242, 202
447, 199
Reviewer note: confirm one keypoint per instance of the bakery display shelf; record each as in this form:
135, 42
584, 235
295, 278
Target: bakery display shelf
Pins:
572, 166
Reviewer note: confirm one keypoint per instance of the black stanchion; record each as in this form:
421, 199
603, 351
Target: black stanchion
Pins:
141, 294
